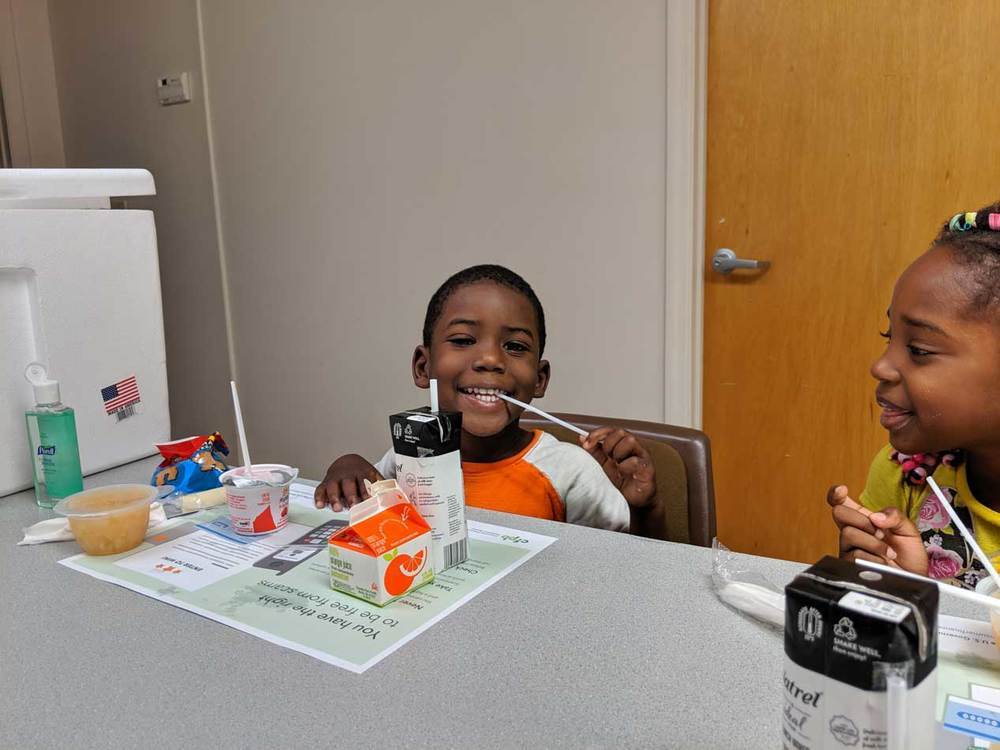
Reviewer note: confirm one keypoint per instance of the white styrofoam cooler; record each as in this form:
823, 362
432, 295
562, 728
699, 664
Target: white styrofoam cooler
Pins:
80, 292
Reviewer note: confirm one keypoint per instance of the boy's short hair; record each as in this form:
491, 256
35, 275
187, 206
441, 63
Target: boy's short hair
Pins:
474, 275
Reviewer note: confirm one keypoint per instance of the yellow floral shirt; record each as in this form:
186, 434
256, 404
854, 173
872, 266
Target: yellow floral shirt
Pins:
900, 480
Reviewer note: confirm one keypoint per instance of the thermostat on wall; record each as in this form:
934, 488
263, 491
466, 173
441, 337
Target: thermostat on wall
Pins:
174, 88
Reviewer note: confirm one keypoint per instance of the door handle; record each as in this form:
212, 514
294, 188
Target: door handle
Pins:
725, 261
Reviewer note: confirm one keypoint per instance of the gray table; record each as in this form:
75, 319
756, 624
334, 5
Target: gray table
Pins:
602, 640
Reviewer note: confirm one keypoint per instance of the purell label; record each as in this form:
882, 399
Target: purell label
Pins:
844, 634
429, 470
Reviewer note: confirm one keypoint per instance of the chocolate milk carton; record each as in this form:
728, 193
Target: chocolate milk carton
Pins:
848, 633
429, 470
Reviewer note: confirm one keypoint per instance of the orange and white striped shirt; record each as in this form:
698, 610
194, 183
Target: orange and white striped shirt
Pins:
548, 479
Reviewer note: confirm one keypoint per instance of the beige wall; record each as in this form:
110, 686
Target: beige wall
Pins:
108, 56
365, 151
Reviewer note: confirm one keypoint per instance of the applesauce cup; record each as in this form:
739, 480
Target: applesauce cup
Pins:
109, 520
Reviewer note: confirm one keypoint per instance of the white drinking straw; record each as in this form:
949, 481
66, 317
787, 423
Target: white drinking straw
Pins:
434, 396
244, 449
546, 415
987, 563
944, 588
895, 699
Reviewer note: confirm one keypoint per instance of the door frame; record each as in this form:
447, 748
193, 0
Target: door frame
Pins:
28, 80
684, 226
10, 82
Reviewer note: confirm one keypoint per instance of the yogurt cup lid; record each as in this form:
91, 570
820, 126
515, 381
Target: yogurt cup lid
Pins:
262, 475
105, 501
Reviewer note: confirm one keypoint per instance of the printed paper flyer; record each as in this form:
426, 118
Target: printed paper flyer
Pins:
277, 587
968, 685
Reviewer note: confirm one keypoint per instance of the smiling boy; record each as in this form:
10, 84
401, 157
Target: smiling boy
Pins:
484, 333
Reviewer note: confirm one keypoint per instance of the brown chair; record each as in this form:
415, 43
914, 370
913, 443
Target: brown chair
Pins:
685, 507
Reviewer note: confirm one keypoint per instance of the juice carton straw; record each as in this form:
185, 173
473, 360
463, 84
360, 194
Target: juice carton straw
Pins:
244, 448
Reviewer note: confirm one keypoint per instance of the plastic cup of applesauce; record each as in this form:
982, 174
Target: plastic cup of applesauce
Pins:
109, 520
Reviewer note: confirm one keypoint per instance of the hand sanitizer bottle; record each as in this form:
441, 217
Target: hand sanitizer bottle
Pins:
55, 453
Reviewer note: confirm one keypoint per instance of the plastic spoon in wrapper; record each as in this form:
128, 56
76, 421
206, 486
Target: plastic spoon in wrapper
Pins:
745, 590
543, 414
966, 534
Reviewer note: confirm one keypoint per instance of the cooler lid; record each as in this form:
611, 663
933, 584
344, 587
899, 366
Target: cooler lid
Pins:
71, 188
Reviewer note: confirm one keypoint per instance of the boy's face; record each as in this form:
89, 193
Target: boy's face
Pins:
485, 340
939, 378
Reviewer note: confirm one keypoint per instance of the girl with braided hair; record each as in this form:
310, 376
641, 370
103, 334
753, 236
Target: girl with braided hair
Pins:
939, 391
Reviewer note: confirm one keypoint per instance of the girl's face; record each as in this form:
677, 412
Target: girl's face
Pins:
939, 378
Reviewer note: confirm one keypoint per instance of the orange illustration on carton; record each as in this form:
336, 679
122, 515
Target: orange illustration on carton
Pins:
383, 553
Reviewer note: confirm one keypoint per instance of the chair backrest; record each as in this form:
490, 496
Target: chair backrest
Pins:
685, 510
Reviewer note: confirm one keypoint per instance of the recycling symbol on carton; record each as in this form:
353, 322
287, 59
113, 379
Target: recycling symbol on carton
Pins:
845, 629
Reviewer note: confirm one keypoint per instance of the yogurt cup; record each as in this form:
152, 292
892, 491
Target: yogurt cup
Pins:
108, 520
261, 508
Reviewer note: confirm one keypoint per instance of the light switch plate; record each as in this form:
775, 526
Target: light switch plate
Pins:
174, 88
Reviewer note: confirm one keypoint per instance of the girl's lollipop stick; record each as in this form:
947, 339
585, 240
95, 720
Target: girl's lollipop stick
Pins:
971, 540
546, 415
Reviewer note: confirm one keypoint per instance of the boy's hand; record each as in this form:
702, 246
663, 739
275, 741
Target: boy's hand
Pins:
626, 462
343, 485
886, 536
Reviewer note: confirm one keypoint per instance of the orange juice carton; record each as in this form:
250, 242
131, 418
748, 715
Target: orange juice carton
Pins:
384, 553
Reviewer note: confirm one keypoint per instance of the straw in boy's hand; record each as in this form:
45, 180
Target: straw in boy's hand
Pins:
544, 414
626, 462
621, 456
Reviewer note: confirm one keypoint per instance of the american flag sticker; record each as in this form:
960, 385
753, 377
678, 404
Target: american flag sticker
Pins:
121, 399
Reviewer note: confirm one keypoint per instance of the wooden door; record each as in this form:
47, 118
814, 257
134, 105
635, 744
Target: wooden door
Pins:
841, 134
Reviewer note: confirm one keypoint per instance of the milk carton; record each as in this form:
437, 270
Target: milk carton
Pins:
384, 553
849, 631
429, 469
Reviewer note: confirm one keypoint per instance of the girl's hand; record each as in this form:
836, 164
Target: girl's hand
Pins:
343, 485
626, 462
886, 536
